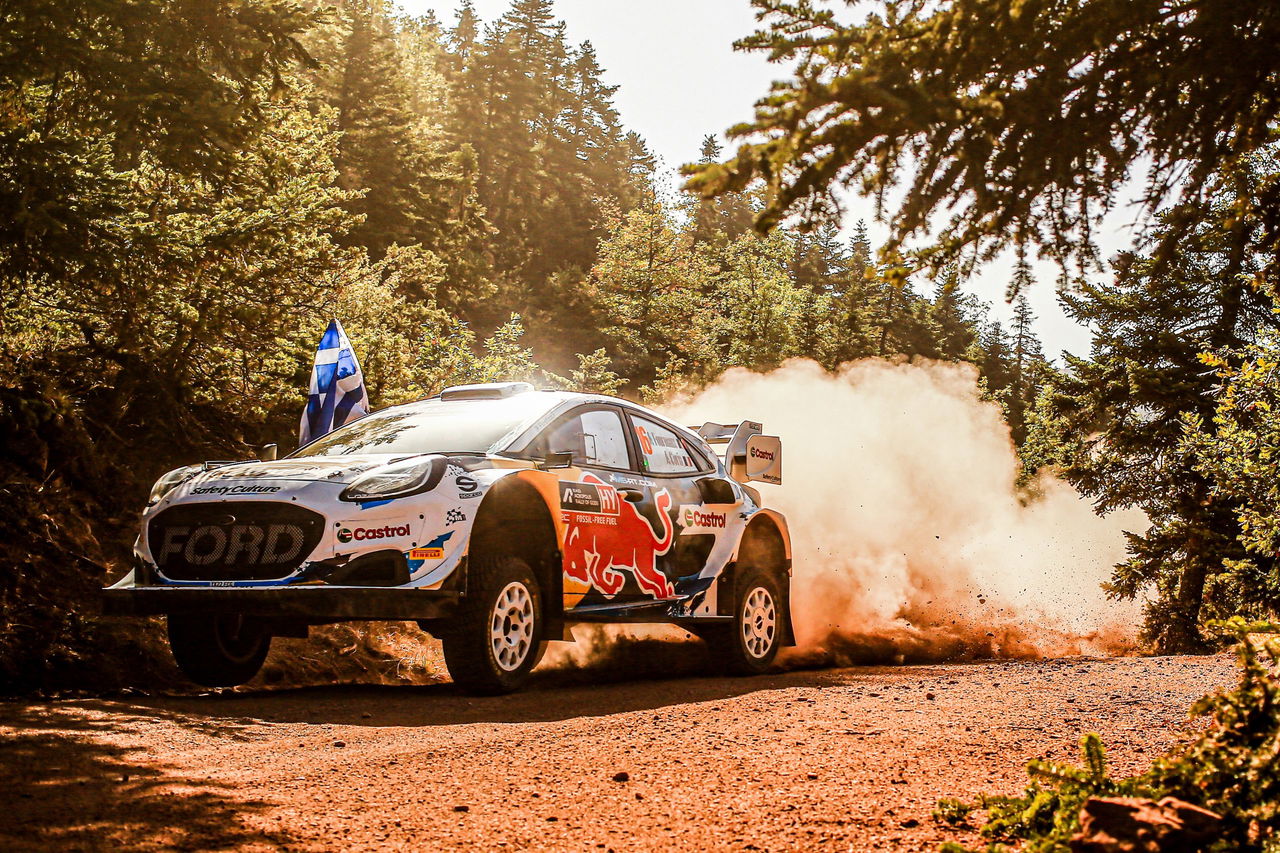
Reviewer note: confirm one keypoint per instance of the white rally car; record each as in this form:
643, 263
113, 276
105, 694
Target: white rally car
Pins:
495, 515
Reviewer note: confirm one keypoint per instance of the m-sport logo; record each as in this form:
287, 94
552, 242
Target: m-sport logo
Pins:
207, 545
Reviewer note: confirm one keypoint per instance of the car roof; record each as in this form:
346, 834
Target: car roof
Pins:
559, 401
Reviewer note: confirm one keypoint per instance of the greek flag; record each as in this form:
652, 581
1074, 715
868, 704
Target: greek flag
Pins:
337, 392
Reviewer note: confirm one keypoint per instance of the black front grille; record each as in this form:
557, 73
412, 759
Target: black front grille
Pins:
236, 540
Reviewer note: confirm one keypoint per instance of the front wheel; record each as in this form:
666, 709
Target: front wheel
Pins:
495, 639
218, 649
749, 646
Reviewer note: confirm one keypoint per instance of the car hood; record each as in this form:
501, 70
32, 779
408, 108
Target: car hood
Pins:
327, 469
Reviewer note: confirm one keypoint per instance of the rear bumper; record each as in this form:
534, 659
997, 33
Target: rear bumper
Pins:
304, 603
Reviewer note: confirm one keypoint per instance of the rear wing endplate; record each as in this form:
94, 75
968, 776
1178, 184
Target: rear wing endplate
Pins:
748, 454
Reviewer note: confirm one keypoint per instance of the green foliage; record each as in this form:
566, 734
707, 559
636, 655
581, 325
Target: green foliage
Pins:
453, 358
646, 276
1240, 452
89, 90
1018, 118
952, 812
551, 155
1229, 768
410, 184
594, 375
1117, 418
760, 306
1048, 812
676, 309
191, 190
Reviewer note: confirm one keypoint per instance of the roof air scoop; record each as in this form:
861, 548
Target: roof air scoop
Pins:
485, 391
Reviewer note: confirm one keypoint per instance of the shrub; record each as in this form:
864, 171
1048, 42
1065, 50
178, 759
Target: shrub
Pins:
1230, 769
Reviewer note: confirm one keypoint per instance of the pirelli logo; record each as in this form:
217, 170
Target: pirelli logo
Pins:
426, 554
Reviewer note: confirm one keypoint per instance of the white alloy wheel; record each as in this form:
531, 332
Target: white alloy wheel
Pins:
759, 623
511, 626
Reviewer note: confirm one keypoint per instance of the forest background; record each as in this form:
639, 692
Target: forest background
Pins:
189, 190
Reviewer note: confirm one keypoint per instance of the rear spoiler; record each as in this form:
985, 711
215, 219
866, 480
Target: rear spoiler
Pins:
748, 454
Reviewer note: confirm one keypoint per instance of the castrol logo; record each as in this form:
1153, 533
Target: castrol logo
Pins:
691, 516
366, 534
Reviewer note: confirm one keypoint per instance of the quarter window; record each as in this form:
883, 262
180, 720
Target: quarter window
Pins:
661, 450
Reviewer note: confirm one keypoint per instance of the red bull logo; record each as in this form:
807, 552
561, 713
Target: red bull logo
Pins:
600, 546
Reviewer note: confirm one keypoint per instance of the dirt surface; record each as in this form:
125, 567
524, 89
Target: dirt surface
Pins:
850, 759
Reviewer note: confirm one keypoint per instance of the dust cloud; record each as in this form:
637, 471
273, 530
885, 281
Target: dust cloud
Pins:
910, 539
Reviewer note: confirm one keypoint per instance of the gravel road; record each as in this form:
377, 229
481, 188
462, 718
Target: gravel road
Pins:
847, 759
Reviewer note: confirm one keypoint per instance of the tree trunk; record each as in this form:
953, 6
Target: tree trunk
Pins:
1183, 633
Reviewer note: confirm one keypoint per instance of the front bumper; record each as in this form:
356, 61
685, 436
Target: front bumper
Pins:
315, 604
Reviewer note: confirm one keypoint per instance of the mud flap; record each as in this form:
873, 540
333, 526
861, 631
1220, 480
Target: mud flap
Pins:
788, 632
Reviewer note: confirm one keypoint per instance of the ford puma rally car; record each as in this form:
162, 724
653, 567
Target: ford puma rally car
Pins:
496, 516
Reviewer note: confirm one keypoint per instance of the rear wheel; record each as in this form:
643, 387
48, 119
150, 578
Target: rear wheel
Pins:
750, 644
495, 639
218, 649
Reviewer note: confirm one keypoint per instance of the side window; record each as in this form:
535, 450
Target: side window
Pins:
661, 450
594, 437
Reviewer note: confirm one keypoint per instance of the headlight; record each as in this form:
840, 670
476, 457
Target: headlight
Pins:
397, 480
169, 482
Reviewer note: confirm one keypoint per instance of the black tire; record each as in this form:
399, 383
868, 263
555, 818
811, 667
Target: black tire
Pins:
218, 649
494, 640
750, 644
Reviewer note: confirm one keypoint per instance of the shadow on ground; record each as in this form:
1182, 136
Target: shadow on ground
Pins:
65, 789
552, 697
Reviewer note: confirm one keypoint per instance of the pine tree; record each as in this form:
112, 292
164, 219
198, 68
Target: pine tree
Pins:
993, 355
899, 320
91, 90
952, 315
851, 300
409, 183
377, 130
722, 219
1239, 451
819, 270
1027, 368
552, 160
1018, 120
1124, 407
644, 281
761, 309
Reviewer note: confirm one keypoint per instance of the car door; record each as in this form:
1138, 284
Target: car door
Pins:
668, 470
608, 548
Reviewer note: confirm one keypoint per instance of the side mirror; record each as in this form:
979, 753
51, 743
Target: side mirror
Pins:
714, 490
559, 459
267, 453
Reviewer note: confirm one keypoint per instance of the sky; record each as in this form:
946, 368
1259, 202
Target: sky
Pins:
680, 79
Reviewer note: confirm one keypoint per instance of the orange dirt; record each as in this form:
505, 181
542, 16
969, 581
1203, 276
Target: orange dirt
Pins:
849, 759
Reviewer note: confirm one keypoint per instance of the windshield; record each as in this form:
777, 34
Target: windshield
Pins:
432, 426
